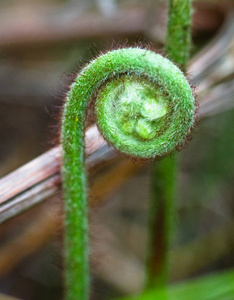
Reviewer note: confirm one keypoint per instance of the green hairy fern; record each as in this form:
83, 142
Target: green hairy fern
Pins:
144, 107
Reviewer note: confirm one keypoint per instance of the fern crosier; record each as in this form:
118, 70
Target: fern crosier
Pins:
144, 107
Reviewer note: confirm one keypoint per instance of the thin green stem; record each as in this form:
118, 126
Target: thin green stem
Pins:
164, 179
163, 189
178, 41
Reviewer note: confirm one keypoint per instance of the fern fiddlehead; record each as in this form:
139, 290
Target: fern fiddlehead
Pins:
144, 107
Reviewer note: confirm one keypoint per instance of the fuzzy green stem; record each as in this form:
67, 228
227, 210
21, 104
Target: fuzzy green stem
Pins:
179, 31
163, 180
163, 188
131, 83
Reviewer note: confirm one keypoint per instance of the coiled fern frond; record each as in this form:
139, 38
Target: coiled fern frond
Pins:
144, 107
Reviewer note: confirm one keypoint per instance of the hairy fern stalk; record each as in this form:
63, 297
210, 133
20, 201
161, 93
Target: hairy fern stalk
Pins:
144, 107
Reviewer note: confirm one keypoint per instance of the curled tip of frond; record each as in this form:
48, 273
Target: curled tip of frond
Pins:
147, 109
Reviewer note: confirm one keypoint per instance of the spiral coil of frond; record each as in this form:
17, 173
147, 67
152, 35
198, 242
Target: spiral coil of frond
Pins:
144, 107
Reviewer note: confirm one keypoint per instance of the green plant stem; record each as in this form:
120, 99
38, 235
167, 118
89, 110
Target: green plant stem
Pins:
163, 179
163, 189
179, 31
